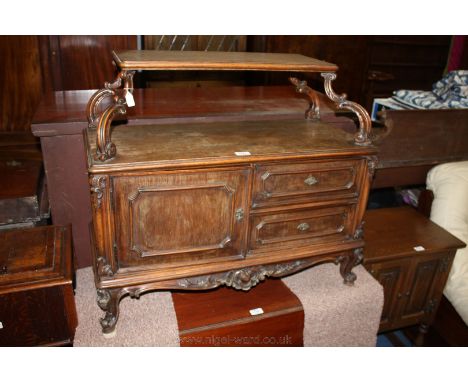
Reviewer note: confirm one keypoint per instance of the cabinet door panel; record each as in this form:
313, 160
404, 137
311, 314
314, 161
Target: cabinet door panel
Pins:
391, 275
419, 289
177, 218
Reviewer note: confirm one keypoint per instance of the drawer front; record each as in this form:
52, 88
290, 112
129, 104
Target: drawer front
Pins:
307, 226
180, 218
283, 184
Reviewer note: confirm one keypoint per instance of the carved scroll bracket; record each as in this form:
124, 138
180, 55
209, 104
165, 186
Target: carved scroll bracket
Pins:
121, 98
362, 136
313, 112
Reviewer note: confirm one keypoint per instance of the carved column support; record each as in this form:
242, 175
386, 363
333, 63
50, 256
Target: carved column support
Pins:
105, 149
362, 136
313, 112
98, 184
108, 300
372, 162
93, 105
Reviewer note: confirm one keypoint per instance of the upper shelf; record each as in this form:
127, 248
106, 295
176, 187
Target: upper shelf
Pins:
187, 60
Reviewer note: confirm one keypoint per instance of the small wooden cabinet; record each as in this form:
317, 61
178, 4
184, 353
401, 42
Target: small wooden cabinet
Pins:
198, 205
413, 279
37, 305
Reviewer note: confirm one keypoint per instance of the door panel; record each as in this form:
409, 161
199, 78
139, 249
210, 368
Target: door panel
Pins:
178, 218
391, 275
418, 290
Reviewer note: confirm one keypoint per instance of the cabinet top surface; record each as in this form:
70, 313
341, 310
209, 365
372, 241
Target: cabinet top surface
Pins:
194, 60
216, 143
393, 232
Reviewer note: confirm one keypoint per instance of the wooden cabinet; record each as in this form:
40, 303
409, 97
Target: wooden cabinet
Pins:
198, 205
413, 280
37, 305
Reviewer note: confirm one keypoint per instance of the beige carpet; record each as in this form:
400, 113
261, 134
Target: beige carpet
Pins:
335, 314
149, 321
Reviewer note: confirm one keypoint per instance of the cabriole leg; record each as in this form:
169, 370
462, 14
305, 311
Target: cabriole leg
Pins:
108, 300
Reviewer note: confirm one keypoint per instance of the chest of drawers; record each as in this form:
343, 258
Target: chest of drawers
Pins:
200, 205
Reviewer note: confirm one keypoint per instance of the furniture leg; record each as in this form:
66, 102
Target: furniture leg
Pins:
108, 301
347, 263
423, 329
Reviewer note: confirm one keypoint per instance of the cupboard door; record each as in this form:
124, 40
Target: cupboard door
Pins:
391, 275
422, 287
172, 219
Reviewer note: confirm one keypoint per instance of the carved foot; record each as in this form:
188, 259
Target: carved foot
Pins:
347, 263
108, 301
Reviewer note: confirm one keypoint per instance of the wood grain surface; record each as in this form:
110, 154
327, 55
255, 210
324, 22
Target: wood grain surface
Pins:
215, 143
192, 60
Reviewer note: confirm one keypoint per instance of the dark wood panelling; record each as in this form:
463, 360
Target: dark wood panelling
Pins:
348, 52
37, 306
21, 81
85, 62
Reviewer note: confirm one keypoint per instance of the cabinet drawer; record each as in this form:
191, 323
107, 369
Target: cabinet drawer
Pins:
283, 184
303, 227
178, 218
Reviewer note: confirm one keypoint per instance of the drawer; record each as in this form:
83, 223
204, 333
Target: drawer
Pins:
283, 184
302, 227
172, 219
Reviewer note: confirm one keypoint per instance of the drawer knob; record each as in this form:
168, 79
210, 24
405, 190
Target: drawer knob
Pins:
311, 180
303, 227
239, 214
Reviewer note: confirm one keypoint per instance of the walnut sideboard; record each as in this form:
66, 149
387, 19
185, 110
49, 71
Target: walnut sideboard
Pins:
203, 204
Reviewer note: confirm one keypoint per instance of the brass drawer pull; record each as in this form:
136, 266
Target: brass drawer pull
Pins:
303, 227
311, 180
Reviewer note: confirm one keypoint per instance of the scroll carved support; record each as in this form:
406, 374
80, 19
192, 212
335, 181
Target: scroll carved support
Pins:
98, 184
105, 149
108, 300
313, 112
362, 136
347, 263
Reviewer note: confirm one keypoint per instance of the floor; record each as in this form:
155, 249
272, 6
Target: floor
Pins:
393, 339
